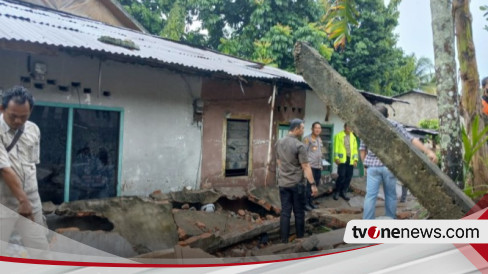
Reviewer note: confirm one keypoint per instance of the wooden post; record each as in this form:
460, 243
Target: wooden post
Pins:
434, 190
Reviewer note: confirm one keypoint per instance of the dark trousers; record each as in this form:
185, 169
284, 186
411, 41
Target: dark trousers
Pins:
345, 175
292, 198
317, 174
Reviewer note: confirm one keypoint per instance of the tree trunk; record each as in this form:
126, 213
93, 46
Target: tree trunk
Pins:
447, 92
471, 98
434, 189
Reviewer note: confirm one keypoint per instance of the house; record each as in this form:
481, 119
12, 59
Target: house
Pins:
126, 113
107, 11
421, 106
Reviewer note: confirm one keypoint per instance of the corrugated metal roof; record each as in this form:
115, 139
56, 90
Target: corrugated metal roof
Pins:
416, 91
43, 26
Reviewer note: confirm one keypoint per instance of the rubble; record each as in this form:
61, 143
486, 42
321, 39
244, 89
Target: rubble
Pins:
334, 219
157, 228
204, 196
110, 242
147, 225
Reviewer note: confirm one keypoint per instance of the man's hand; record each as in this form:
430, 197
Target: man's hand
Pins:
337, 161
315, 191
432, 156
25, 209
355, 164
13, 182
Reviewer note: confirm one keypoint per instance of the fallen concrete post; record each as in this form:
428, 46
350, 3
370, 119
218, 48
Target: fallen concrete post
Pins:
434, 190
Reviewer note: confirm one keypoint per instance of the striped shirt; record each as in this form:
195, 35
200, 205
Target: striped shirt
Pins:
371, 159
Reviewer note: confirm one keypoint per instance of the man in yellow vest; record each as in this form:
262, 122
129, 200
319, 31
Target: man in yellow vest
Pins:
346, 158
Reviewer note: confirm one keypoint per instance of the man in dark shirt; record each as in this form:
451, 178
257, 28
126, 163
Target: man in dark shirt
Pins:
292, 159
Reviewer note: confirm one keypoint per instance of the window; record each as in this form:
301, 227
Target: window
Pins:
53, 123
80, 150
283, 130
237, 148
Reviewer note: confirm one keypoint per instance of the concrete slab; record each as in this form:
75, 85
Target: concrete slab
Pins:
146, 224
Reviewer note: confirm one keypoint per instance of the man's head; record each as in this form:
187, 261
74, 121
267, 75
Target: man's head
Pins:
484, 85
382, 109
17, 104
347, 128
316, 128
296, 127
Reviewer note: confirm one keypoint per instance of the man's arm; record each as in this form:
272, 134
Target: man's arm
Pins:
432, 157
362, 153
15, 185
307, 170
336, 148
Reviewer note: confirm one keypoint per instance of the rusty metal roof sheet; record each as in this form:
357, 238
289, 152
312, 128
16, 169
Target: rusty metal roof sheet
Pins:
43, 26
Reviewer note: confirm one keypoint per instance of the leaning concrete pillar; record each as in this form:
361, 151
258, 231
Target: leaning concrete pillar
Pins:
434, 190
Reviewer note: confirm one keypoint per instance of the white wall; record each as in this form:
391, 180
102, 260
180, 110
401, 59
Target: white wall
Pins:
161, 144
422, 106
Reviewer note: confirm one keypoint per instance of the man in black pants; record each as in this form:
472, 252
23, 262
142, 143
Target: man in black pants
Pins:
314, 146
292, 160
346, 157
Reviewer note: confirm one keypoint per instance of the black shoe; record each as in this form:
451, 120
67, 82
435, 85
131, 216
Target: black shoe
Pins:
336, 196
343, 196
313, 206
308, 208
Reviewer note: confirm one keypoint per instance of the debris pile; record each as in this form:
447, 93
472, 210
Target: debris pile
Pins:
229, 223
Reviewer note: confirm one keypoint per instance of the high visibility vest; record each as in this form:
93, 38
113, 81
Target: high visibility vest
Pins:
340, 148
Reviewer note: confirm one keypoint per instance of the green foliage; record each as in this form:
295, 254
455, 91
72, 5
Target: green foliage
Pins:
175, 25
429, 124
371, 61
128, 44
148, 13
262, 30
266, 30
340, 16
485, 9
471, 145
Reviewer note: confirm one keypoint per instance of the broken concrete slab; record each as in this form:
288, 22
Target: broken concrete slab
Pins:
178, 255
325, 188
146, 224
335, 220
324, 241
235, 237
48, 208
110, 242
213, 222
279, 249
434, 190
159, 254
202, 196
158, 195
356, 201
218, 229
232, 193
358, 186
267, 197
350, 210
